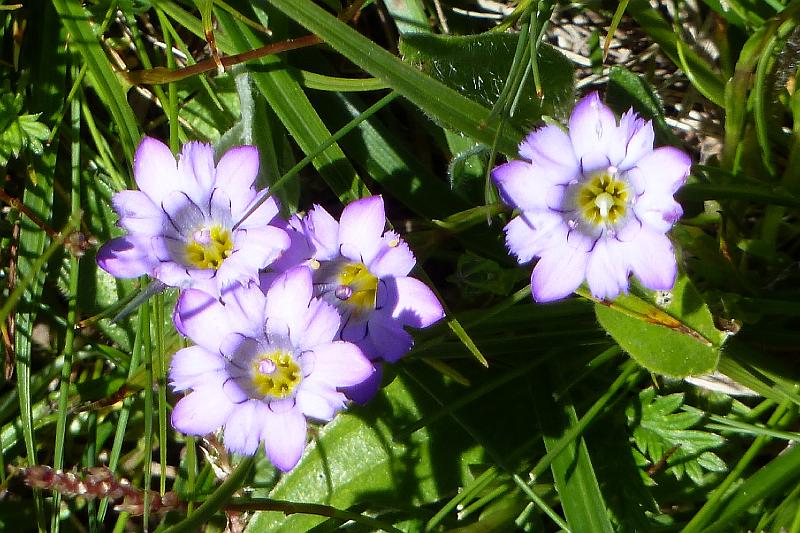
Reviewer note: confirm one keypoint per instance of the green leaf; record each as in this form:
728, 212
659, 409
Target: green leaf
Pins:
661, 434
19, 132
355, 460
668, 332
430, 95
477, 67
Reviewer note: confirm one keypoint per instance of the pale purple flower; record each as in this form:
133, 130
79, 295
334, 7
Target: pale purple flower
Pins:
595, 204
363, 271
185, 225
262, 365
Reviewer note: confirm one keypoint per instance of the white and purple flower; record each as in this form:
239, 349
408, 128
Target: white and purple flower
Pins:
363, 271
595, 204
262, 365
185, 224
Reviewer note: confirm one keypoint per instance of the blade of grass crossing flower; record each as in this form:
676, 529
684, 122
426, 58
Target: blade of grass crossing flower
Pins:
147, 346
106, 83
287, 99
428, 94
72, 303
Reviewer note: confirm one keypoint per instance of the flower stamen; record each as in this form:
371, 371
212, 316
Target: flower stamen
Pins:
209, 247
275, 374
603, 199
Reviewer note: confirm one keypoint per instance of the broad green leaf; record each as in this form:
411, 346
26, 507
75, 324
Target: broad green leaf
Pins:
477, 67
355, 460
668, 332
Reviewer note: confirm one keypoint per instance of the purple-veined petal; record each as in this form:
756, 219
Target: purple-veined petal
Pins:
550, 151
298, 253
389, 337
196, 168
127, 257
236, 174
155, 169
339, 364
594, 134
396, 259
607, 271
661, 171
260, 246
319, 403
658, 211
287, 301
193, 366
322, 232
284, 436
242, 429
183, 214
640, 138
354, 330
322, 324
366, 390
411, 302
219, 209
202, 412
138, 214
360, 229
245, 309
201, 317
530, 233
558, 273
652, 260
264, 214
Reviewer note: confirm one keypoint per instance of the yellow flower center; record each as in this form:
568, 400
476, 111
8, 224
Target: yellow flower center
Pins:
358, 287
209, 247
603, 200
275, 374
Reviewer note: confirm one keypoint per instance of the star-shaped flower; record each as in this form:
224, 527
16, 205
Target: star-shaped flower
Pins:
595, 204
185, 225
262, 365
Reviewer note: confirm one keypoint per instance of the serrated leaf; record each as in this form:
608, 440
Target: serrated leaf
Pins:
668, 332
664, 436
18, 132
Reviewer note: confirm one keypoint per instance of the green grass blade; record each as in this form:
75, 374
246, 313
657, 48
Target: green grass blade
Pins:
428, 94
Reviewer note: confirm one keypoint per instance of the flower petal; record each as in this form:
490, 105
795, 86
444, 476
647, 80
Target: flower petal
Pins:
640, 137
529, 234
183, 213
264, 214
549, 149
366, 390
559, 272
202, 318
155, 169
288, 298
339, 364
196, 168
193, 366
245, 309
652, 260
594, 134
360, 229
236, 174
394, 259
138, 214
202, 412
662, 171
607, 271
412, 303
389, 337
322, 232
320, 403
322, 324
242, 429
127, 257
284, 436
